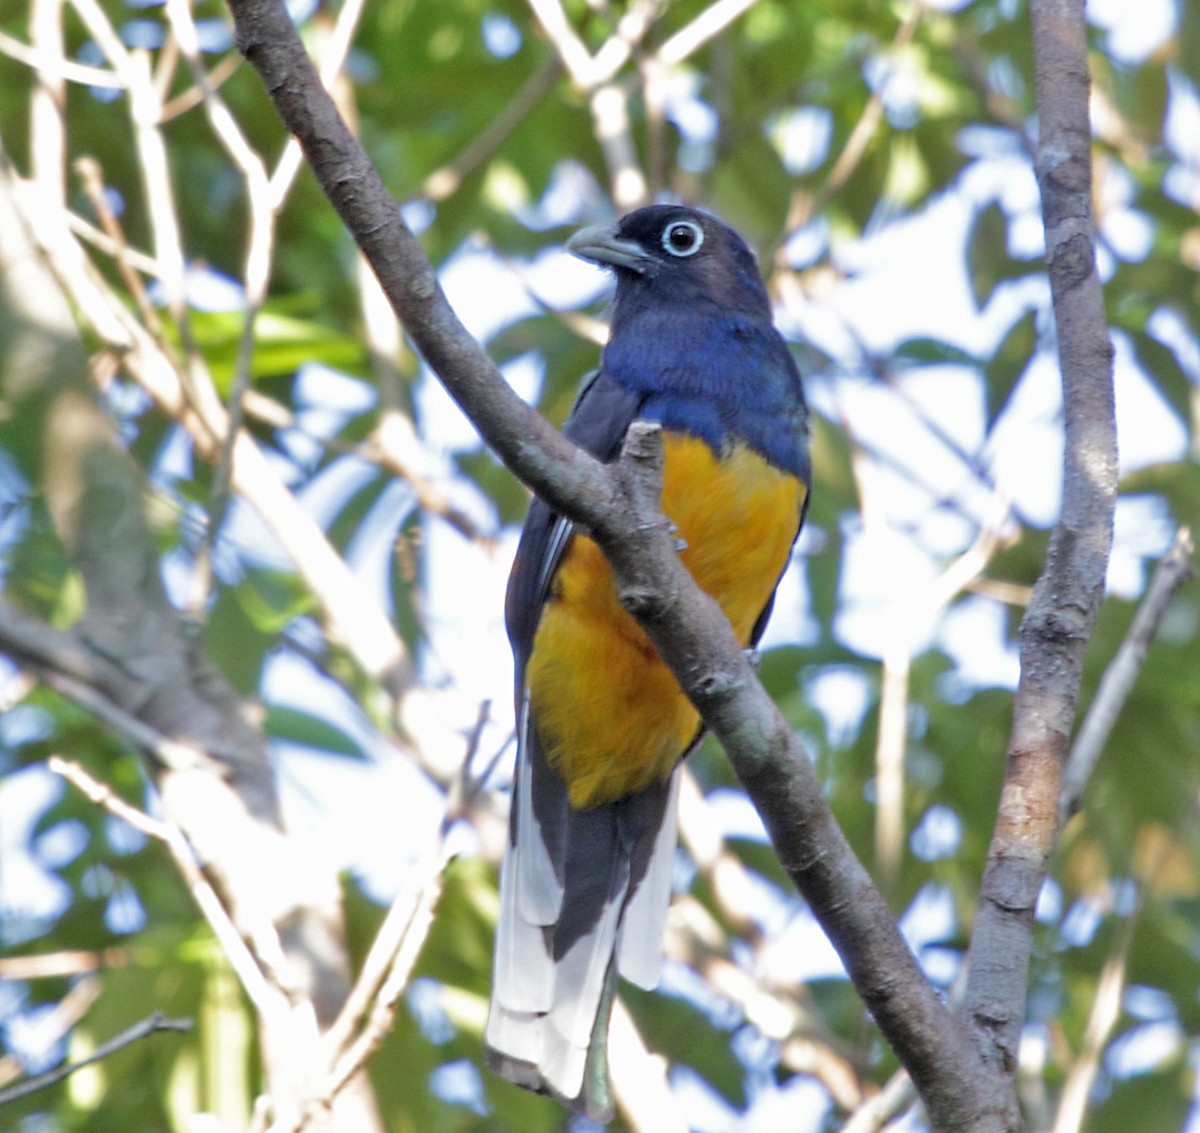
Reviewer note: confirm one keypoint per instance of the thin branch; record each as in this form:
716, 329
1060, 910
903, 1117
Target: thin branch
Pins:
223, 70
892, 740
1106, 1010
267, 999
44, 63
610, 121
444, 181
65, 962
152, 1024
393, 447
386, 974
48, 104
590, 72
698, 31
92, 178
56, 1023
259, 252
805, 205
1119, 678
355, 621
332, 59
876, 1112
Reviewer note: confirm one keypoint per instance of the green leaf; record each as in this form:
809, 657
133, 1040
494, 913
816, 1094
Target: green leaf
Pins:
932, 352
294, 725
1010, 360
988, 261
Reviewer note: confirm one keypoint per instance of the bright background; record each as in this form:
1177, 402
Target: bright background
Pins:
904, 259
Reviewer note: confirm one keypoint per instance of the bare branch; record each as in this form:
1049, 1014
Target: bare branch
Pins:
265, 998
697, 32
1106, 1010
895, 1097
892, 740
152, 1024
1059, 620
259, 253
443, 182
1119, 678
393, 955
70, 70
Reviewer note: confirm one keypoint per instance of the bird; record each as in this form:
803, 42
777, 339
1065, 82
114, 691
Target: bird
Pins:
602, 724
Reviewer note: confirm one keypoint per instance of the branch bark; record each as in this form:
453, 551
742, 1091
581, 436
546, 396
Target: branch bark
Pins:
618, 504
1058, 623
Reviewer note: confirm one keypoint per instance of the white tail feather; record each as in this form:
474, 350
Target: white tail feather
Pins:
524, 972
538, 891
639, 950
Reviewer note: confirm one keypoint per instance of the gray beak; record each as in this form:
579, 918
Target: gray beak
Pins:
602, 244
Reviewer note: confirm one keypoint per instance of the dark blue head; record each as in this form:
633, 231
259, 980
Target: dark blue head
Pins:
677, 256
692, 333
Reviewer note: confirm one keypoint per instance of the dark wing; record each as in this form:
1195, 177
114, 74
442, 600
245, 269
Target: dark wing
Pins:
598, 421
566, 879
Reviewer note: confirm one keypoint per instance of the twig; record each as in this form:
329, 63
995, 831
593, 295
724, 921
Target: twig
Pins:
266, 999
893, 706
152, 1024
65, 962
92, 178
1106, 1010
68, 69
259, 253
610, 121
444, 181
590, 72
391, 447
386, 972
1119, 678
223, 70
804, 205
897, 1095
48, 104
333, 57
698, 31
57, 1022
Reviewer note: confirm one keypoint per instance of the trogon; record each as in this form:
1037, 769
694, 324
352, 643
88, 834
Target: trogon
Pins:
602, 724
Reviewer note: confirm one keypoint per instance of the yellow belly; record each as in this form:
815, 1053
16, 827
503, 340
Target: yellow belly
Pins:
610, 715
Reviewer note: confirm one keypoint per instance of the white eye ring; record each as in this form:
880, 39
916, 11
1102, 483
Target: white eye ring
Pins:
682, 238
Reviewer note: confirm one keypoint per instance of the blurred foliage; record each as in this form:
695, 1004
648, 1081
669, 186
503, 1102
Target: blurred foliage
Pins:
769, 124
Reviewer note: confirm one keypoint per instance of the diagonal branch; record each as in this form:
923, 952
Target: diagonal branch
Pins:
1117, 683
152, 1024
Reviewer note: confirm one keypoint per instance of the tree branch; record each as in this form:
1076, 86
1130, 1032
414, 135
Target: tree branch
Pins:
152, 1024
618, 504
1058, 623
1119, 678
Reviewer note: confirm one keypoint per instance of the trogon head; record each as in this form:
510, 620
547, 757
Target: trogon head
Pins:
679, 255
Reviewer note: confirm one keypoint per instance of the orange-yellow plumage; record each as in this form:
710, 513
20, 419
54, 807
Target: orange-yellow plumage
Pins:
612, 717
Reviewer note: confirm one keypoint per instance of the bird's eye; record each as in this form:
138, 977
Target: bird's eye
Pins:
682, 238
